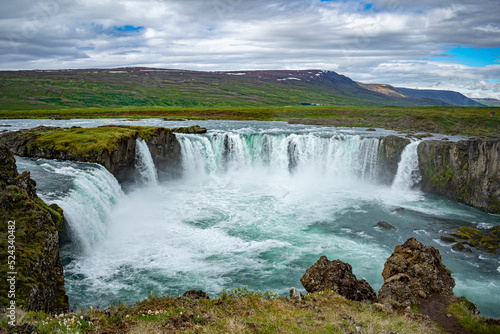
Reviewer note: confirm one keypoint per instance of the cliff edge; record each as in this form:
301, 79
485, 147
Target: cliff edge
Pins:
466, 171
30, 228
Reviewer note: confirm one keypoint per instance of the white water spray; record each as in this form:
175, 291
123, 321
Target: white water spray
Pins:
87, 207
408, 174
144, 164
339, 156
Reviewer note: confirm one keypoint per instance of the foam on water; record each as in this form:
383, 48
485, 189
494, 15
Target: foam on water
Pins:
257, 207
144, 164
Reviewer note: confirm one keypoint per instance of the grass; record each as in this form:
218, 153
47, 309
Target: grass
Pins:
148, 88
473, 323
322, 312
87, 142
470, 121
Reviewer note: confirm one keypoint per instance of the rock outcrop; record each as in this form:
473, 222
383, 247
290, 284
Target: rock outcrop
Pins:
466, 171
39, 283
488, 240
390, 152
111, 146
413, 273
337, 276
190, 129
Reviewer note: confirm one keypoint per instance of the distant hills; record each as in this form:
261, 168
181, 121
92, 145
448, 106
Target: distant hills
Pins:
489, 102
135, 86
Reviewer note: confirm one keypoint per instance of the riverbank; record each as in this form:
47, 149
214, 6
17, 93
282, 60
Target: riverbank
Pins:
469, 121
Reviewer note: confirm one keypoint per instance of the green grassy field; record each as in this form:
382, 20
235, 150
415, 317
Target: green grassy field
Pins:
448, 120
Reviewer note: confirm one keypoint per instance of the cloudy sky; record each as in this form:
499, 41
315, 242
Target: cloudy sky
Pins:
432, 44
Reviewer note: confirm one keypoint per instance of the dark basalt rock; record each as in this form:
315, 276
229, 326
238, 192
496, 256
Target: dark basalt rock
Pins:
196, 294
385, 225
488, 240
337, 276
412, 273
466, 171
390, 154
120, 161
39, 278
190, 129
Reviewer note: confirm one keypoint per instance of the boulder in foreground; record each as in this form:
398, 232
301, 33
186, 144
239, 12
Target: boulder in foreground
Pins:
337, 276
413, 273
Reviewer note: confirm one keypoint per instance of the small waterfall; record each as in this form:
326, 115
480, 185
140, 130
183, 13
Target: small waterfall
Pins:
87, 207
144, 164
352, 156
408, 174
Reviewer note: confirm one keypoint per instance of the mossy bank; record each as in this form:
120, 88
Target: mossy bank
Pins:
29, 242
111, 146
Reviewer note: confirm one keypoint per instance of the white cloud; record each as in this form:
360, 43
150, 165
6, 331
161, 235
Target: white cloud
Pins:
390, 43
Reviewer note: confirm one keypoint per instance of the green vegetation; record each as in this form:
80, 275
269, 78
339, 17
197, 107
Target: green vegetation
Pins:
150, 87
323, 312
87, 142
27, 240
467, 318
450, 120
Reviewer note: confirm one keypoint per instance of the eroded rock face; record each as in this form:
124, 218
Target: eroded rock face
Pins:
413, 273
163, 145
39, 279
390, 154
337, 276
464, 171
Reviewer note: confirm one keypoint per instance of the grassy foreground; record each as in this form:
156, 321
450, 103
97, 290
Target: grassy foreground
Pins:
450, 120
236, 311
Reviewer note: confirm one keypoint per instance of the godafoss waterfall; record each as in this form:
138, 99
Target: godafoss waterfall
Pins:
253, 204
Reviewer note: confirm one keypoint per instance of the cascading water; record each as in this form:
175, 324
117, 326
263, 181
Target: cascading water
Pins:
87, 201
341, 156
256, 207
408, 174
144, 164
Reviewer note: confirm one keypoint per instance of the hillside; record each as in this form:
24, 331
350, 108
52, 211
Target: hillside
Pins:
148, 87
489, 102
453, 98
431, 96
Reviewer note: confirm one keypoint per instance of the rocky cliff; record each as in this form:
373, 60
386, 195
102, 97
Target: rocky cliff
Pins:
111, 146
390, 152
466, 171
39, 280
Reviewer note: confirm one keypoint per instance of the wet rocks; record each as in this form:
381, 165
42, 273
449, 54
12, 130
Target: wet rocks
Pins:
190, 129
390, 152
412, 273
337, 276
39, 281
385, 225
488, 240
465, 171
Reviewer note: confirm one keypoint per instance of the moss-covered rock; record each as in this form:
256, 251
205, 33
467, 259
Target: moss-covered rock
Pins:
448, 239
112, 146
488, 240
35, 241
464, 171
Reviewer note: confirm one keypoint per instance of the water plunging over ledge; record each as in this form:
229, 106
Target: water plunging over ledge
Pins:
256, 205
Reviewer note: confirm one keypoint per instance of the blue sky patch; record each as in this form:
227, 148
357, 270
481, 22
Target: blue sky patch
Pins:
128, 29
472, 57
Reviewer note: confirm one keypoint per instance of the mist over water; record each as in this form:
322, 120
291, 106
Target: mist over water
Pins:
255, 206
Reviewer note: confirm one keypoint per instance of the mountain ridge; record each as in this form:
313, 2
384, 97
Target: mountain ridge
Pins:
142, 86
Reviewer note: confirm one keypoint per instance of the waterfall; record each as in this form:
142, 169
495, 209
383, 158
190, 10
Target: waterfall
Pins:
144, 164
340, 155
87, 206
408, 174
